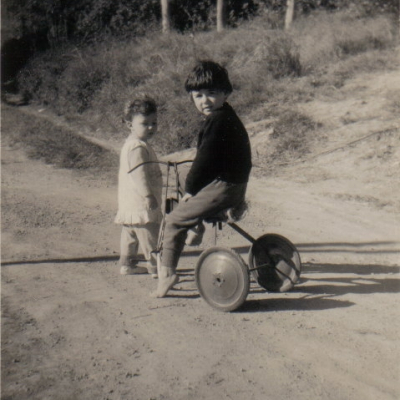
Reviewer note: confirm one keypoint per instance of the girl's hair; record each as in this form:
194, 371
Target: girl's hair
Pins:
208, 75
144, 105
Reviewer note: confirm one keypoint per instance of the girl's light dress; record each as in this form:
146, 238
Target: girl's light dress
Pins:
140, 225
135, 186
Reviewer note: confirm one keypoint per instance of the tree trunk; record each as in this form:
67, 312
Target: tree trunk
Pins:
221, 8
166, 26
289, 13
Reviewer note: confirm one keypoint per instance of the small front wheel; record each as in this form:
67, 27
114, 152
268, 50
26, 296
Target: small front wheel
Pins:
222, 278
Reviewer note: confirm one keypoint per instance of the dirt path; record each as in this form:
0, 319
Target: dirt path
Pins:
78, 330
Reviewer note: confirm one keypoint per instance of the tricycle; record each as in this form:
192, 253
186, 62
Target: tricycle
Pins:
222, 276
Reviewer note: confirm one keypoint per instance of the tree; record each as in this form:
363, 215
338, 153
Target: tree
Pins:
289, 13
221, 12
166, 25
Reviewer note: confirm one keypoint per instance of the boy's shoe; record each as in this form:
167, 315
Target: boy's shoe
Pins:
128, 270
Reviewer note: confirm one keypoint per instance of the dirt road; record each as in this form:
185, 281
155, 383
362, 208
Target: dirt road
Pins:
73, 328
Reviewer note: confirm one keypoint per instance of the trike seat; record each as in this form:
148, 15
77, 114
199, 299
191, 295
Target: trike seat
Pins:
229, 215
220, 217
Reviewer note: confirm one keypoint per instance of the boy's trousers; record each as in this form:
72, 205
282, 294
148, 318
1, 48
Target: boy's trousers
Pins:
214, 198
133, 235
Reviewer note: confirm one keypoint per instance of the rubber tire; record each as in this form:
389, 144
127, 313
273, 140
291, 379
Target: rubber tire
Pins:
211, 287
274, 247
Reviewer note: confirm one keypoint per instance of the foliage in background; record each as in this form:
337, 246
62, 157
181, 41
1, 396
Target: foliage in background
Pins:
289, 139
83, 20
93, 82
56, 145
270, 69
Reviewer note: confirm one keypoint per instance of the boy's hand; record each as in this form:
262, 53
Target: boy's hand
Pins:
186, 197
151, 202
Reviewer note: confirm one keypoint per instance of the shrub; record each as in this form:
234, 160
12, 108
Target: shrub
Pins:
278, 57
289, 138
79, 87
41, 78
267, 67
325, 38
56, 145
359, 37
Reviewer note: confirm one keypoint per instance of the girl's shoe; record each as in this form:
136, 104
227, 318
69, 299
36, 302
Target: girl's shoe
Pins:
152, 270
128, 270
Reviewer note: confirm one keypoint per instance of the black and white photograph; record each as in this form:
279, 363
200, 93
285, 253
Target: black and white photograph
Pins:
200, 200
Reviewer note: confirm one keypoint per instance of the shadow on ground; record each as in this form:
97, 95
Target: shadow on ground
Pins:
319, 283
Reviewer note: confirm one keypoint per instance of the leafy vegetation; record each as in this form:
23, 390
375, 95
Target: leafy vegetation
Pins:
84, 20
271, 70
56, 145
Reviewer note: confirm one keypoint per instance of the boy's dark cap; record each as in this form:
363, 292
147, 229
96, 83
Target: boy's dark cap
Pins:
208, 74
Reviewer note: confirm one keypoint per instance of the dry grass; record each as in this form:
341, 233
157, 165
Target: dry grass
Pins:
55, 145
271, 70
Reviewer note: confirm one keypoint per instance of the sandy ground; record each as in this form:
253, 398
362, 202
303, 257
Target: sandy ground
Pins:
73, 328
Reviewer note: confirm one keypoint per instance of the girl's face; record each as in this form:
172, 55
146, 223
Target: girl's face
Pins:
143, 126
208, 100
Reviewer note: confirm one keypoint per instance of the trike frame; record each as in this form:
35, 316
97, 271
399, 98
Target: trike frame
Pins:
222, 276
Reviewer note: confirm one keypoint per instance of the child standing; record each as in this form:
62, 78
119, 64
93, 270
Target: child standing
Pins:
139, 191
219, 174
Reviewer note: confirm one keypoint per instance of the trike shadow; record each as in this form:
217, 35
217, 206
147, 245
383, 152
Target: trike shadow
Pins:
285, 304
320, 284
183, 294
320, 291
349, 278
365, 248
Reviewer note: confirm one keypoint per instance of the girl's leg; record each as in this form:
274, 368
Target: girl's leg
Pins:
129, 250
148, 236
129, 245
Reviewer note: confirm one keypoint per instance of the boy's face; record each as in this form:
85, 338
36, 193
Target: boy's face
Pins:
144, 126
208, 100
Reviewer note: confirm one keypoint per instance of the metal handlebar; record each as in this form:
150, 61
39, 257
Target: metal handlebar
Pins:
168, 163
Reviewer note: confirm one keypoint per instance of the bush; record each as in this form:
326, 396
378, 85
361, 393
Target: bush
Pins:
289, 138
56, 145
41, 78
268, 68
79, 88
325, 38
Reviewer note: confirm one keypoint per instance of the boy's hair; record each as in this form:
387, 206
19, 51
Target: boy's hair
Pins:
143, 105
208, 75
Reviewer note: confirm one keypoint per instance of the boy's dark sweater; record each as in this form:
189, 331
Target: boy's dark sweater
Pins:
223, 151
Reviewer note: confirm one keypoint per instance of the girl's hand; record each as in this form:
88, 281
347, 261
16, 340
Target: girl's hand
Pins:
151, 202
186, 197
